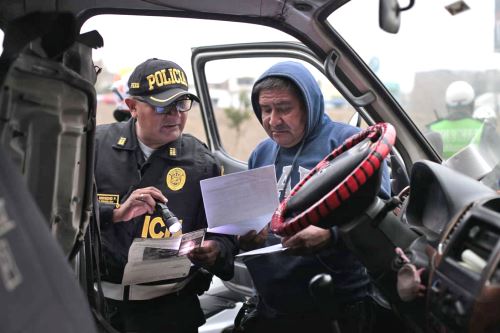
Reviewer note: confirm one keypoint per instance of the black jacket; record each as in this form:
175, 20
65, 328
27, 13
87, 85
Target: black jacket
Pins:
119, 169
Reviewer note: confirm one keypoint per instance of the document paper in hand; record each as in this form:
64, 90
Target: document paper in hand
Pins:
152, 260
239, 202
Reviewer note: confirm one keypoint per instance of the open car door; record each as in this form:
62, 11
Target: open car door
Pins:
412, 221
232, 128
47, 121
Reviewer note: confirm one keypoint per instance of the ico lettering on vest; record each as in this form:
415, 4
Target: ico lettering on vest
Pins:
156, 228
176, 178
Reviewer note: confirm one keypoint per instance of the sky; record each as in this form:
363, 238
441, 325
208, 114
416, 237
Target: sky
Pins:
429, 38
129, 40
467, 38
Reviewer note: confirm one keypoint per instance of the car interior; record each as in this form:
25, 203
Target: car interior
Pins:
442, 219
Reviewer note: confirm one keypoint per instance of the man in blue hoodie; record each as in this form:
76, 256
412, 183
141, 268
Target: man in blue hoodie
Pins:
289, 104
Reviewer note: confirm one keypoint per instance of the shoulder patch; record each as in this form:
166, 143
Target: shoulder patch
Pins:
176, 178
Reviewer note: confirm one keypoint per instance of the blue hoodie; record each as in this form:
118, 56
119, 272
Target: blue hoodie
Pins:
282, 280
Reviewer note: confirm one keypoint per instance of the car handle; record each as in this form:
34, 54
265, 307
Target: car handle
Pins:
330, 66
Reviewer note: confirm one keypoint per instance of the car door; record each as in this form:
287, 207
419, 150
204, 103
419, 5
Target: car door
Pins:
224, 76
47, 122
219, 100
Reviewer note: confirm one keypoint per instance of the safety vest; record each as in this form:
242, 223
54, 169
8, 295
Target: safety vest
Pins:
458, 133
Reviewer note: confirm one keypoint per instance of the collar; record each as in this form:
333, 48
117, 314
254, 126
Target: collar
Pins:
171, 150
126, 139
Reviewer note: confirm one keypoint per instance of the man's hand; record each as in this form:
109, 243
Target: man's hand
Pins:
307, 241
253, 240
140, 201
206, 254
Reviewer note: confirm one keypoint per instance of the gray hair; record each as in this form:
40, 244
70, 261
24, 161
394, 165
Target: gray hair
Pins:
277, 83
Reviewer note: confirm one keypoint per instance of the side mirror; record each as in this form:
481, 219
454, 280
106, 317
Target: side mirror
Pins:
389, 15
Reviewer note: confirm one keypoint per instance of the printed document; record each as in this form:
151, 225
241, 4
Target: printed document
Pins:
239, 202
152, 260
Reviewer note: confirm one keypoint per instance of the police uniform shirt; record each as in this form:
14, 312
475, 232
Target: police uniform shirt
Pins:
119, 167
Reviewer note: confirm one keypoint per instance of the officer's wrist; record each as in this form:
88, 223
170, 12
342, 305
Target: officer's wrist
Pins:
117, 215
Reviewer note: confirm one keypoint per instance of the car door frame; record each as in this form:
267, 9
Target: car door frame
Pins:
202, 55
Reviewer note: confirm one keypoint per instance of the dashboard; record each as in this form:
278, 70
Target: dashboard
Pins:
448, 225
458, 223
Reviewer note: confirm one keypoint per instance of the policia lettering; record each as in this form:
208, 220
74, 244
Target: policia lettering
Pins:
166, 77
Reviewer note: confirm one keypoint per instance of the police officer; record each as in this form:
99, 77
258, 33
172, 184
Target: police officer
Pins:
458, 129
139, 163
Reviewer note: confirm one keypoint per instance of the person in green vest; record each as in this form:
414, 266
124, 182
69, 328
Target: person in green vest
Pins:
458, 129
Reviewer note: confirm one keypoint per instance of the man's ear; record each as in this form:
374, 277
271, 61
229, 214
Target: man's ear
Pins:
132, 106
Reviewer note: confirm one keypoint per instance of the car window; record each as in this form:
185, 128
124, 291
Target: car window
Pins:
117, 59
434, 49
230, 91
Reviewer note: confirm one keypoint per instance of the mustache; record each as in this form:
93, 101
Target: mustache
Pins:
279, 128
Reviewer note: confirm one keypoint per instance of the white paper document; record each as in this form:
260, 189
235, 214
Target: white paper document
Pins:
239, 202
156, 270
264, 250
152, 260
146, 249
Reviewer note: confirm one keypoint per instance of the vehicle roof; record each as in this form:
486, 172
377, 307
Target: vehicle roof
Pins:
298, 18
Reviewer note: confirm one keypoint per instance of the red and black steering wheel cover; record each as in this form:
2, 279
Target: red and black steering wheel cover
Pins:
382, 135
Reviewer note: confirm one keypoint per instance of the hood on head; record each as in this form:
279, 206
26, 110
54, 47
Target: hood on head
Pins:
305, 82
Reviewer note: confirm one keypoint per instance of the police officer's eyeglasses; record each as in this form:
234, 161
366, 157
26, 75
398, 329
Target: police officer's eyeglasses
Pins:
181, 105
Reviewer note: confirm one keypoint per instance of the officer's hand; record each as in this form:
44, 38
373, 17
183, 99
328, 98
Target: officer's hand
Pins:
206, 254
140, 201
307, 241
253, 240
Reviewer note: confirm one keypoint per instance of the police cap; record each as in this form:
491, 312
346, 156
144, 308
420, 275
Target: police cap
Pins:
160, 82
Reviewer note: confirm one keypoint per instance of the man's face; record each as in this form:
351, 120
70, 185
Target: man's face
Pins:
283, 116
156, 129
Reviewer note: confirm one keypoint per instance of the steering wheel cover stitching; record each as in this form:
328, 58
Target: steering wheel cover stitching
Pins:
383, 135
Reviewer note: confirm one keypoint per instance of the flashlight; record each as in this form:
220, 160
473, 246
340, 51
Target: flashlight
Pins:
169, 218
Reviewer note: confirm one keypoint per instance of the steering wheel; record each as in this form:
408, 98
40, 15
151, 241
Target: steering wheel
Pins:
334, 180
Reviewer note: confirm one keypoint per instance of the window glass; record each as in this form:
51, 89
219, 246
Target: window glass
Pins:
421, 61
443, 67
129, 40
230, 90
